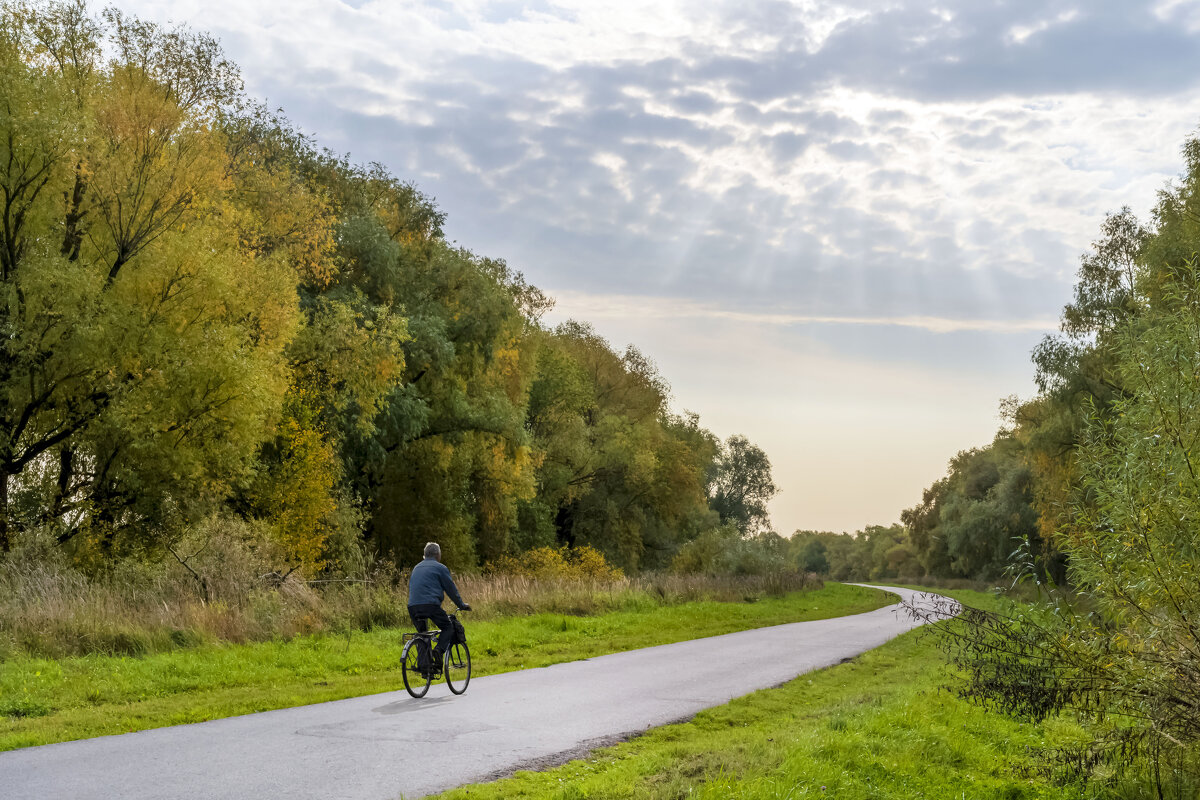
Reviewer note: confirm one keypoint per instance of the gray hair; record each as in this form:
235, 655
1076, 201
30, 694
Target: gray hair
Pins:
433, 550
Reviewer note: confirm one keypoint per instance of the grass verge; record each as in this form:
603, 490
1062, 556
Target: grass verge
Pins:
53, 700
881, 726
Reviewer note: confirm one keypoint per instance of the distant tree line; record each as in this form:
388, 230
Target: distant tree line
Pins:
206, 316
970, 524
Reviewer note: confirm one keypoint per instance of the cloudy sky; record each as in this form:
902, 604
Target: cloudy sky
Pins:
838, 227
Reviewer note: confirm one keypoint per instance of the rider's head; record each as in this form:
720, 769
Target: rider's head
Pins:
433, 550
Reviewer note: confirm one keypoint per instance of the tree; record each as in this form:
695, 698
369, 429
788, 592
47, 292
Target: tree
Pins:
1075, 369
812, 558
629, 479
969, 523
143, 360
741, 486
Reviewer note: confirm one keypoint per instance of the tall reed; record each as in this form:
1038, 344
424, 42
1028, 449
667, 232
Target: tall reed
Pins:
49, 608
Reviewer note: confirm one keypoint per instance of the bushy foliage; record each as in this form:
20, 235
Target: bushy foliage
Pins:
557, 563
725, 550
740, 485
1004, 503
145, 343
969, 524
875, 553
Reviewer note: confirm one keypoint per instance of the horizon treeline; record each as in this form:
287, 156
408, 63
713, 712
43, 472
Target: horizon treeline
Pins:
208, 318
1014, 507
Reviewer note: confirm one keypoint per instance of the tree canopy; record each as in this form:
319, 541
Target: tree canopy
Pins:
206, 315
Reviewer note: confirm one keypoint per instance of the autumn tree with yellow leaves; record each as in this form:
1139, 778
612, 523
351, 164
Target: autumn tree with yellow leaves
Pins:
206, 316
145, 351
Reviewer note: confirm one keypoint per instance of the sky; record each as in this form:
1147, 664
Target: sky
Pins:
839, 228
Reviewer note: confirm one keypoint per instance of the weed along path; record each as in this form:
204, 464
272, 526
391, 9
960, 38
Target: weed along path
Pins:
389, 746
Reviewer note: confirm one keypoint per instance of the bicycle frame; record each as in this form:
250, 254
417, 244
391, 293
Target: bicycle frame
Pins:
428, 635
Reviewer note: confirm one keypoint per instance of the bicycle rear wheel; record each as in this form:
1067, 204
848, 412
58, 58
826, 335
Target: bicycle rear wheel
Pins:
416, 683
458, 667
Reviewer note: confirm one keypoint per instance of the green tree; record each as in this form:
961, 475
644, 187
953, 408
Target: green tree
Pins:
206, 315
969, 523
812, 558
614, 468
144, 358
740, 485
1075, 369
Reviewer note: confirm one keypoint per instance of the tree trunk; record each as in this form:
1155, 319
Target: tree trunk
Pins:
4, 543
66, 470
72, 234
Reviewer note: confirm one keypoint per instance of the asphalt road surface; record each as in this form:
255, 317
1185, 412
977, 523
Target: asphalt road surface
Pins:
389, 745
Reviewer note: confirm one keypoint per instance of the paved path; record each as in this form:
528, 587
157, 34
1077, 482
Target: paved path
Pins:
389, 746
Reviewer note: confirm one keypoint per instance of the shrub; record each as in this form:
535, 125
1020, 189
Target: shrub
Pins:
558, 563
724, 551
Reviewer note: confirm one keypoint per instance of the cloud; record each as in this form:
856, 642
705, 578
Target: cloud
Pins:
978, 51
786, 146
816, 153
595, 306
846, 150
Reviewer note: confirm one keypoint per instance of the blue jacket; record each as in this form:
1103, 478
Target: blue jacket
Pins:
428, 580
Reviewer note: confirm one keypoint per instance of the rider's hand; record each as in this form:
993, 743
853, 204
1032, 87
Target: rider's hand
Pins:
464, 607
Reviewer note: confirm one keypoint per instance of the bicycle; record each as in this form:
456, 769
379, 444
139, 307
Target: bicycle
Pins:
418, 649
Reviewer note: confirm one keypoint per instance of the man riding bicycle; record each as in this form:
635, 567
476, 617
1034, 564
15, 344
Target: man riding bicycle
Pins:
429, 581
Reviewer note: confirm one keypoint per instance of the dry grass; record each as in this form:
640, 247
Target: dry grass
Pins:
49, 608
516, 595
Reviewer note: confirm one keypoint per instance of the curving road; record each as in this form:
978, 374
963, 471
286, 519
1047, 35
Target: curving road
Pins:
389, 746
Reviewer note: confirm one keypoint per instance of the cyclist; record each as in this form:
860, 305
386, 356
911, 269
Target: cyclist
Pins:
429, 581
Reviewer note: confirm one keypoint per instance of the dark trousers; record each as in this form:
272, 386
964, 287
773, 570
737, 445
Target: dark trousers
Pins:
421, 613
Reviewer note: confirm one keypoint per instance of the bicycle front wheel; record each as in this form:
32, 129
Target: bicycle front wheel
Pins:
416, 683
458, 667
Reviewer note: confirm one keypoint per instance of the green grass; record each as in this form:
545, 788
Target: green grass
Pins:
44, 701
881, 726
